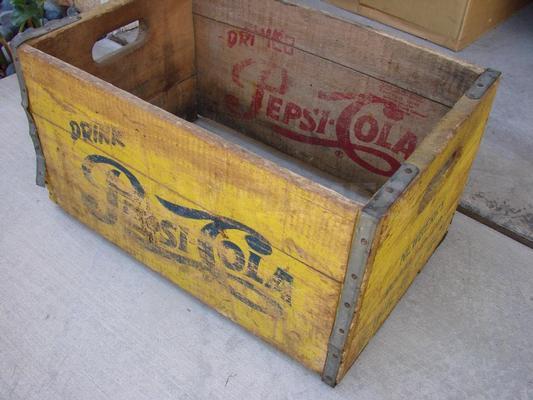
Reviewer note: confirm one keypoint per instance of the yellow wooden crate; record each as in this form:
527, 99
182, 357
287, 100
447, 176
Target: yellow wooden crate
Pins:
305, 224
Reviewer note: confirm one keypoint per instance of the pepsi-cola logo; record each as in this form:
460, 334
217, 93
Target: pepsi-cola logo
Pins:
221, 248
367, 130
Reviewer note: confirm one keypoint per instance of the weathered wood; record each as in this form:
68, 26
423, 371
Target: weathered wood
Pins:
258, 237
146, 68
392, 60
417, 222
305, 105
186, 225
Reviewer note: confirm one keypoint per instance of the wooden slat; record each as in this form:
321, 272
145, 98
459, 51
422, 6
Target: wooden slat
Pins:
295, 213
417, 222
410, 67
299, 102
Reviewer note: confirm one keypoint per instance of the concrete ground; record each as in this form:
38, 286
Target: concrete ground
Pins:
80, 319
500, 190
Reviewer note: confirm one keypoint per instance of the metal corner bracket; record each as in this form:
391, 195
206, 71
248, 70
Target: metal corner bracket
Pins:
362, 243
19, 40
482, 84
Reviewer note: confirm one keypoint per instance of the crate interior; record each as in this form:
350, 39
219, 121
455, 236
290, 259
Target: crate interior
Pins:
290, 95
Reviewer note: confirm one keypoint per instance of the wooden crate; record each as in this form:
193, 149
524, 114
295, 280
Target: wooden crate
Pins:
307, 215
454, 24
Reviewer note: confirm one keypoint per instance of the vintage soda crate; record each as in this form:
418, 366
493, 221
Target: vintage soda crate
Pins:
452, 23
325, 170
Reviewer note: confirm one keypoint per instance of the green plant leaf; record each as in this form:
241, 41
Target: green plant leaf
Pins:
27, 13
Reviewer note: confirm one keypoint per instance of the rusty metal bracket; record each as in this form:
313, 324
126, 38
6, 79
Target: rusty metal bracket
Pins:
482, 84
362, 242
15, 44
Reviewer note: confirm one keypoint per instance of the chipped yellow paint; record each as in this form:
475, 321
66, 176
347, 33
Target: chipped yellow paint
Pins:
416, 223
165, 192
295, 213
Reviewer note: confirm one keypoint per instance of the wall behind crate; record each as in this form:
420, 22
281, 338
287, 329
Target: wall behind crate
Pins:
454, 24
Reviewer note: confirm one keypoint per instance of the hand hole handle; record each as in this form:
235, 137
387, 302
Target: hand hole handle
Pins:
119, 42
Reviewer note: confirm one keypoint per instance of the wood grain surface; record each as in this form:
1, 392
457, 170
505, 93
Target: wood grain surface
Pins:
274, 258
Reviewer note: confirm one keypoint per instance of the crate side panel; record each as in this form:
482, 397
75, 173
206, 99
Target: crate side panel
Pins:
266, 291
301, 219
361, 48
337, 119
417, 222
180, 99
159, 62
231, 265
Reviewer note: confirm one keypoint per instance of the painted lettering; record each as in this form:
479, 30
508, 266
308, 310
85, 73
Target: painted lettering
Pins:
367, 128
240, 269
406, 145
308, 124
384, 136
240, 38
274, 107
323, 121
292, 111
276, 39
233, 38
95, 133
